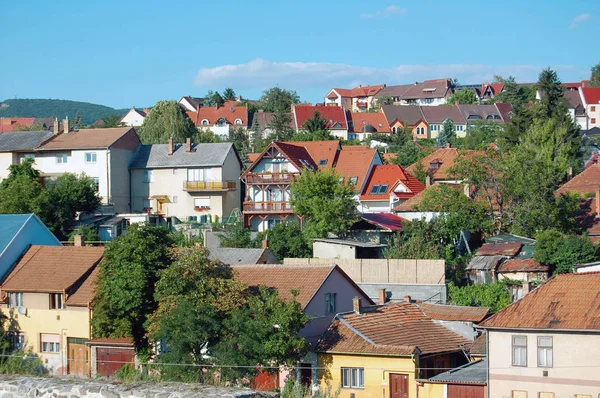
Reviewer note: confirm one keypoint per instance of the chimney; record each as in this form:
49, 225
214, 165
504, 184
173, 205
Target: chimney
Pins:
265, 243
569, 173
448, 145
407, 299
456, 103
170, 146
382, 296
597, 201
527, 287
66, 125
217, 105
356, 305
188, 144
56, 126
467, 190
428, 180
78, 241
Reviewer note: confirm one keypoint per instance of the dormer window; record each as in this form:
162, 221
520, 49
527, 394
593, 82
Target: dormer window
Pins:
221, 122
435, 164
353, 180
238, 121
205, 122
323, 162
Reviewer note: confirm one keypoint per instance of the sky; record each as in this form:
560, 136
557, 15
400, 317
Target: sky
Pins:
123, 53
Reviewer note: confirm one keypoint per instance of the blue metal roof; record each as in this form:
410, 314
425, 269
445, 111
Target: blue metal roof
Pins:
10, 224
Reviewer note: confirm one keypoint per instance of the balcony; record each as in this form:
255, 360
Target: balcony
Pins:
199, 186
271, 178
267, 207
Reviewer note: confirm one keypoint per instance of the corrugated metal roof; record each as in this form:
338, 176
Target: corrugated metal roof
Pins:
486, 263
10, 224
471, 373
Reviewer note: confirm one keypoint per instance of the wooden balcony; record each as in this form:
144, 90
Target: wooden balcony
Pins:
199, 186
267, 207
271, 178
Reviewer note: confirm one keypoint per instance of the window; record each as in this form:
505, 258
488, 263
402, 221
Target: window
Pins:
460, 127
428, 100
221, 122
593, 121
352, 136
147, 175
201, 204
205, 122
147, 204
56, 301
353, 378
519, 350
238, 121
519, 394
544, 351
90, 157
322, 162
434, 165
174, 199
50, 342
434, 127
394, 130
546, 395
17, 341
375, 189
28, 156
342, 180
383, 189
592, 109
96, 183
174, 172
199, 174
61, 158
353, 180
15, 299
330, 303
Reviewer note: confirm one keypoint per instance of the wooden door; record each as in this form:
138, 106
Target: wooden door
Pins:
465, 391
109, 360
398, 385
78, 354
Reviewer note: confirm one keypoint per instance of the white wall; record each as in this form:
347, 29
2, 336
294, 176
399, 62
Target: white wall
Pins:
133, 119
6, 159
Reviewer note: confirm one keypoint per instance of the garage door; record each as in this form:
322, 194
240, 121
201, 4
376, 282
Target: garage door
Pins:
462, 391
109, 360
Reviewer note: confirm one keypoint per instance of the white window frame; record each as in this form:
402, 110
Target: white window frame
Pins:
61, 158
353, 378
545, 354
205, 122
238, 122
91, 157
15, 299
57, 301
48, 343
522, 349
174, 199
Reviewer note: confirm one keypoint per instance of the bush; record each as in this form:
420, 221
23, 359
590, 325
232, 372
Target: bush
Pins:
128, 374
19, 362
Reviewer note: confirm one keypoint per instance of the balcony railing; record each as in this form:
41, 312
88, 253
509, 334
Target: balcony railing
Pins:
267, 207
208, 185
268, 178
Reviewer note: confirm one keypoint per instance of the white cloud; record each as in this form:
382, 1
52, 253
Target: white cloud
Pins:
262, 74
387, 12
579, 19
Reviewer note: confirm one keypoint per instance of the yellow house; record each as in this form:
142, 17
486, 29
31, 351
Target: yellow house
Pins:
381, 351
46, 298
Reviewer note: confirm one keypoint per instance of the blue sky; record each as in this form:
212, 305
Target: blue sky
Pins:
122, 53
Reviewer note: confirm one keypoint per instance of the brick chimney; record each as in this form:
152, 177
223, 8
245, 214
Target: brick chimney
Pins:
428, 180
527, 288
66, 125
56, 126
78, 241
188, 144
265, 243
357, 305
598, 201
170, 146
407, 299
382, 296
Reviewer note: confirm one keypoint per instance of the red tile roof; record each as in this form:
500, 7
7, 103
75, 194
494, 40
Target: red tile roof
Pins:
320, 150
355, 163
479, 346
564, 302
497, 88
86, 293
588, 181
445, 156
522, 265
7, 124
384, 220
591, 95
377, 120
229, 113
587, 219
361, 91
396, 329
500, 249
296, 154
335, 115
391, 175
454, 312
87, 138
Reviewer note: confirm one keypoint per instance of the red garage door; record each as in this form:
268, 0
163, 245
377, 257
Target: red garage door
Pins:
462, 391
109, 360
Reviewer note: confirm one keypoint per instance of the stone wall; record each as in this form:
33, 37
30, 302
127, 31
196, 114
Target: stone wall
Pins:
58, 387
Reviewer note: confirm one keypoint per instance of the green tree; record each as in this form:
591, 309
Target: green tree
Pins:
384, 100
494, 296
464, 96
166, 120
87, 233
213, 98
205, 135
229, 94
512, 93
280, 125
37, 126
315, 123
419, 239
276, 98
327, 204
480, 135
286, 241
553, 102
126, 283
111, 121
241, 141
563, 251
78, 123
447, 134
263, 332
595, 76
236, 235
408, 154
21, 194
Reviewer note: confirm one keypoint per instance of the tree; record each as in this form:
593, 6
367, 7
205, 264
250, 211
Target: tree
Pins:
408, 154
166, 120
263, 332
205, 135
21, 193
194, 295
563, 251
480, 135
111, 121
241, 141
315, 123
37, 126
553, 102
419, 239
325, 201
213, 98
276, 98
464, 96
447, 134
595, 76
126, 283
236, 235
280, 125
512, 93
494, 296
286, 241
78, 124
88, 234
384, 100
229, 94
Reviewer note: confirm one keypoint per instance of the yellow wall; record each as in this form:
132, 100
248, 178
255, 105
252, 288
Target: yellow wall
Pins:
69, 322
432, 390
377, 373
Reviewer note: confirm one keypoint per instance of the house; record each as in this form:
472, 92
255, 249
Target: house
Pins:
428, 93
14, 147
358, 99
193, 182
575, 100
234, 256
363, 124
547, 344
269, 177
460, 319
323, 291
17, 233
591, 103
382, 350
102, 154
413, 208
134, 117
337, 123
345, 248
435, 116
376, 227
49, 304
387, 186
190, 103
221, 119
8, 124
438, 165
468, 380
261, 123
406, 116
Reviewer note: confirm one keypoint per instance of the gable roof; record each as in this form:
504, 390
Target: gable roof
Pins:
228, 112
7, 124
11, 224
394, 91
522, 265
390, 175
479, 346
591, 95
86, 139
42, 268
410, 115
355, 163
400, 329
588, 181
205, 155
335, 115
568, 302
437, 88
307, 280
470, 373
484, 112
233, 256
321, 150
264, 119
459, 313
500, 249
85, 293
23, 140
361, 122
444, 156
437, 114
388, 221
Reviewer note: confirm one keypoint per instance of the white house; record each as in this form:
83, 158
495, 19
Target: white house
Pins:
18, 145
134, 117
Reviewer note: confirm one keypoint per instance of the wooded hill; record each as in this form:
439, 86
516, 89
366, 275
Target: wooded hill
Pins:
59, 108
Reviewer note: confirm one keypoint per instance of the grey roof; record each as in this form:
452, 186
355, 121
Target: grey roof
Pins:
471, 373
406, 114
438, 114
202, 155
428, 89
234, 256
393, 91
484, 263
433, 294
349, 242
591, 132
481, 112
22, 140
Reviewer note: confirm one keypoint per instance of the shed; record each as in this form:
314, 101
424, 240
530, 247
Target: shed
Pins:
482, 269
467, 381
342, 248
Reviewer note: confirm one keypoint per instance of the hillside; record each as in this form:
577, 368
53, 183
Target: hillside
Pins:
59, 108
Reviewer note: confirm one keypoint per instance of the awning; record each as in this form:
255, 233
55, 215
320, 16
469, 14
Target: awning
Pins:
161, 198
